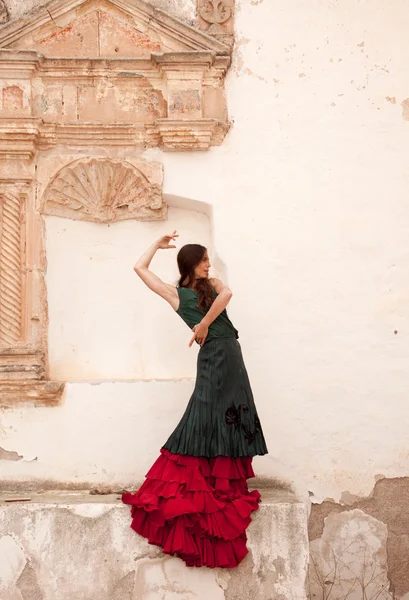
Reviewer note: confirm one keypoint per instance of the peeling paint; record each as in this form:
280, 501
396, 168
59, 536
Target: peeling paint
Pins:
405, 109
46, 555
387, 504
27, 584
350, 559
9, 455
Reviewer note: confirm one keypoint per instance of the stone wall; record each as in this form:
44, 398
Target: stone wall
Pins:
79, 546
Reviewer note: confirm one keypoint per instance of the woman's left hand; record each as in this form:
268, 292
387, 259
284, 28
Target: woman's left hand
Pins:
200, 333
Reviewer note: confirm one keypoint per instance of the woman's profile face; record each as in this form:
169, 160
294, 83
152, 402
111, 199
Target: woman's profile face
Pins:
202, 269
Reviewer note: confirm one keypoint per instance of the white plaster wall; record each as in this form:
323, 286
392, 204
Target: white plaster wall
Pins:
104, 324
310, 208
309, 193
109, 432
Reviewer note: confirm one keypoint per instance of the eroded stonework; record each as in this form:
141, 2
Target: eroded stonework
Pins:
55, 534
92, 76
118, 64
103, 191
350, 557
362, 547
4, 13
216, 18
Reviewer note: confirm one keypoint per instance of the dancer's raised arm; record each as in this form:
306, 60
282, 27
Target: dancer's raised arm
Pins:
166, 291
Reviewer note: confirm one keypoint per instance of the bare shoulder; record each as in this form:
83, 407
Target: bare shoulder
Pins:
217, 284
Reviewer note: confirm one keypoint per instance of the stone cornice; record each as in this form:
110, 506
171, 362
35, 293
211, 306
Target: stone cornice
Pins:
33, 63
21, 137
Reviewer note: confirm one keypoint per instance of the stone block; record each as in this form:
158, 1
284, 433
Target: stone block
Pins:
62, 545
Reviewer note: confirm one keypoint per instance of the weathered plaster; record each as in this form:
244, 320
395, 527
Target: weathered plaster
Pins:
182, 9
46, 545
9, 455
386, 510
349, 560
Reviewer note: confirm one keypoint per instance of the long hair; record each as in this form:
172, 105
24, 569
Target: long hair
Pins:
189, 256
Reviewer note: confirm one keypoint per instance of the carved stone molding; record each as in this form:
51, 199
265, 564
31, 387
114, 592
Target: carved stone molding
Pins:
20, 139
37, 393
4, 13
216, 18
101, 102
22, 303
103, 191
140, 25
11, 268
181, 135
215, 12
94, 74
121, 63
21, 363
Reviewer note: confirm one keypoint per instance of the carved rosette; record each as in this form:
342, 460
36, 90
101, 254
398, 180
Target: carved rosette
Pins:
103, 191
11, 284
216, 18
4, 13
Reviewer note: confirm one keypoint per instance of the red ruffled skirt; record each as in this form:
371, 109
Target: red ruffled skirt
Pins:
196, 508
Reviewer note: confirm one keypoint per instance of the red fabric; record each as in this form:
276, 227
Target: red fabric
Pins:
196, 508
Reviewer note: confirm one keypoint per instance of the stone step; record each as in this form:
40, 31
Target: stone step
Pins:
77, 546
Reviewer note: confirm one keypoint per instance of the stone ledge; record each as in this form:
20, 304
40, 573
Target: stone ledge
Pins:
57, 533
31, 391
21, 137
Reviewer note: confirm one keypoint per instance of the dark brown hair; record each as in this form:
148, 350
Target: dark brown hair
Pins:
189, 256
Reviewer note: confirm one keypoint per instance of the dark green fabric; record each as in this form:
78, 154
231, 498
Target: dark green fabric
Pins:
188, 309
221, 418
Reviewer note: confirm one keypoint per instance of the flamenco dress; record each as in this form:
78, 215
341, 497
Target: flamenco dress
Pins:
195, 502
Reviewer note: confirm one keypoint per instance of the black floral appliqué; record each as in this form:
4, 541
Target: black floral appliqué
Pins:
249, 435
233, 417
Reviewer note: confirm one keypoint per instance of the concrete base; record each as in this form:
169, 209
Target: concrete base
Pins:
76, 546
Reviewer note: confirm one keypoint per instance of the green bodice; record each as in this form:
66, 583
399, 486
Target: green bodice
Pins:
189, 311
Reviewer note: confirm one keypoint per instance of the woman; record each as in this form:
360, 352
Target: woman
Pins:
195, 503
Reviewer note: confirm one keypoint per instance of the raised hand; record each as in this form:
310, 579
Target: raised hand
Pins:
164, 242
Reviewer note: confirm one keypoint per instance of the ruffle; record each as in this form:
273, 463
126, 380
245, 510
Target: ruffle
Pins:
196, 508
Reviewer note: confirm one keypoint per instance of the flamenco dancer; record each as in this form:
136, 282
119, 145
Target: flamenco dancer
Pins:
195, 502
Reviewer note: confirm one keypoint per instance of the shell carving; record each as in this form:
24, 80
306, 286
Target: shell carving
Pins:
103, 191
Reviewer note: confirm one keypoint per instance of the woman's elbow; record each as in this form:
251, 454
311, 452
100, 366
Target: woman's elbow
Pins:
138, 269
228, 293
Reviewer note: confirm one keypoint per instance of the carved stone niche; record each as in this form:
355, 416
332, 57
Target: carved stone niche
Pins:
110, 72
93, 189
